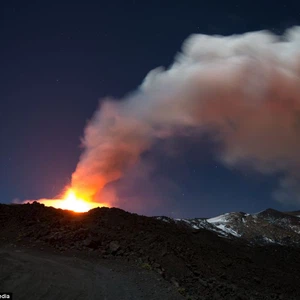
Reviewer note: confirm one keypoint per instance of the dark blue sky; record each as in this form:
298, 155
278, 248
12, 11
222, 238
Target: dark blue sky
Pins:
59, 58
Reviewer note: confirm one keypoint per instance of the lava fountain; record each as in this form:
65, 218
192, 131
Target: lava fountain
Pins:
71, 200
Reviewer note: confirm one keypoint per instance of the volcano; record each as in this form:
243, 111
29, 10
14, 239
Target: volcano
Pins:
216, 258
71, 201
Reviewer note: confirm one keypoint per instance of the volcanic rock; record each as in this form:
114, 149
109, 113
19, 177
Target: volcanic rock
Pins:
114, 246
207, 262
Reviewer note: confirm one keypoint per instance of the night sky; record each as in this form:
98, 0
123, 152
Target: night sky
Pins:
58, 59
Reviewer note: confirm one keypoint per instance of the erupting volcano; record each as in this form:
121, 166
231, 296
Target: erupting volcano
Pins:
241, 91
72, 201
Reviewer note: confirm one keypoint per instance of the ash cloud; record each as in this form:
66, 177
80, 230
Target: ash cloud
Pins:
243, 90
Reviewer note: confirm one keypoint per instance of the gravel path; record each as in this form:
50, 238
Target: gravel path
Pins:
32, 274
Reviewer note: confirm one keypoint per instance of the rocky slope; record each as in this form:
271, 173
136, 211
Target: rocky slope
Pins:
267, 227
201, 263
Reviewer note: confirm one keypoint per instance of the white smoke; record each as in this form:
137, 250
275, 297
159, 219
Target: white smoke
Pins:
244, 90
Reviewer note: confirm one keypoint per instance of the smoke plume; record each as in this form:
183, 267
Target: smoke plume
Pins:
243, 90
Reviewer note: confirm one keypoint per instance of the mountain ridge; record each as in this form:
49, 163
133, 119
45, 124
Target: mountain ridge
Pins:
264, 227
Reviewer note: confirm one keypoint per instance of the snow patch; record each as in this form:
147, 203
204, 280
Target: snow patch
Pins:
163, 219
219, 219
268, 240
219, 231
195, 227
186, 221
295, 229
228, 230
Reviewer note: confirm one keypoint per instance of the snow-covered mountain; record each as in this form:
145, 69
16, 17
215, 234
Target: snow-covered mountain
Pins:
266, 227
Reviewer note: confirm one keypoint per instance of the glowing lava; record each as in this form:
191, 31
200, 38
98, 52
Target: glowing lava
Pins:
71, 201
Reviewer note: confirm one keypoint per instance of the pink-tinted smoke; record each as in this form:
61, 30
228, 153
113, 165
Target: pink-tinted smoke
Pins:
244, 90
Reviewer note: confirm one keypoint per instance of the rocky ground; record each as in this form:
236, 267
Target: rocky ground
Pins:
197, 262
36, 274
266, 227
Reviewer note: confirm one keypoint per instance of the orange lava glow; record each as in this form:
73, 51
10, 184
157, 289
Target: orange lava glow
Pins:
71, 201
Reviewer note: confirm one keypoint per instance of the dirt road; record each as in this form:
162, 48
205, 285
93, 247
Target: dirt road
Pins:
31, 274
